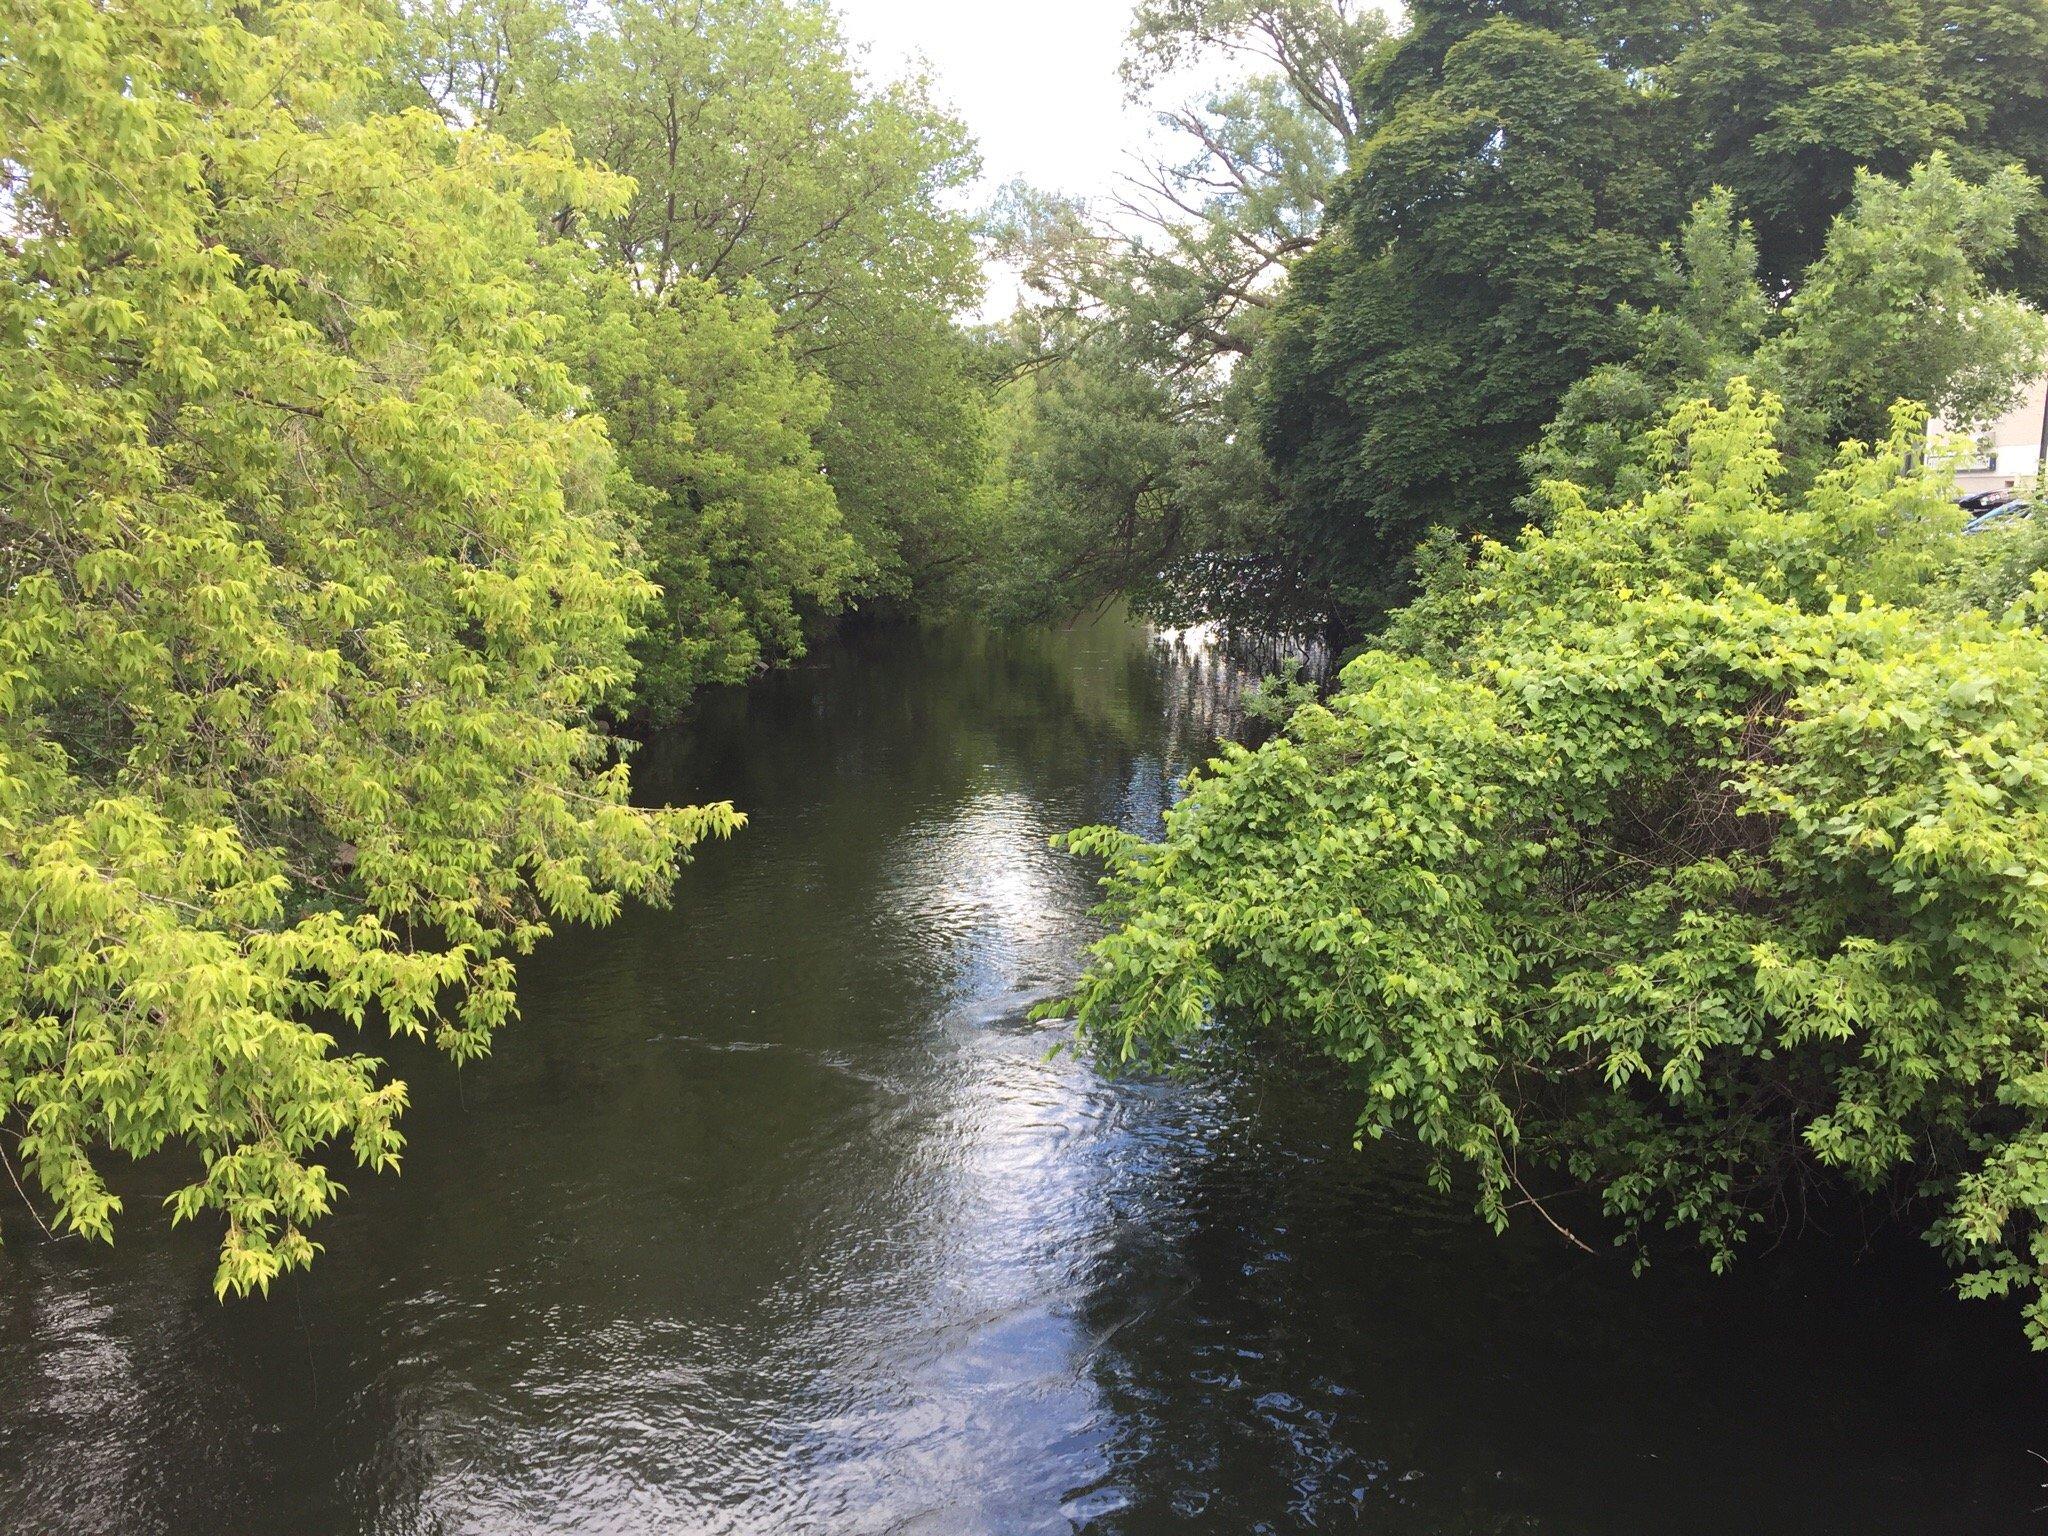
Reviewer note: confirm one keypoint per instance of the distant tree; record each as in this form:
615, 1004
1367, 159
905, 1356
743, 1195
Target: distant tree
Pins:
763, 161
717, 470
1898, 307
1315, 48
1139, 470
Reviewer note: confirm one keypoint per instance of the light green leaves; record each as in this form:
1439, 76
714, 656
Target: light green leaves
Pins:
311, 595
1685, 855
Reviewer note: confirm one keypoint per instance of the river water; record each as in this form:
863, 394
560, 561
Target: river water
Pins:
773, 1215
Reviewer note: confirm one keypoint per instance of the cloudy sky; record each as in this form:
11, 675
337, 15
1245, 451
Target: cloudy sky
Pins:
1036, 81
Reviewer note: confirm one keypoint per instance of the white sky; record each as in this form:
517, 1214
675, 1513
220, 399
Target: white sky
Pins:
1035, 81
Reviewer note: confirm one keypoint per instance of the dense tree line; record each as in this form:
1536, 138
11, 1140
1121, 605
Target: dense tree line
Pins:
1132, 433
1674, 858
766, 320
1388, 261
391, 402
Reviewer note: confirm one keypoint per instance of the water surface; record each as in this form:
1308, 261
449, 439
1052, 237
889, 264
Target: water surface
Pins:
772, 1215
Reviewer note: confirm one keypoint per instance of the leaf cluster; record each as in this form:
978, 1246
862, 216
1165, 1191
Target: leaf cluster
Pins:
311, 599
1678, 853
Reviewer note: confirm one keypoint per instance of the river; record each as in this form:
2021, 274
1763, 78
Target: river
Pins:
773, 1214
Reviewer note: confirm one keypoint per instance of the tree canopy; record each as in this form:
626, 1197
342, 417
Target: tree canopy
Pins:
1517, 170
1386, 277
1897, 307
717, 469
762, 162
1485, 239
313, 595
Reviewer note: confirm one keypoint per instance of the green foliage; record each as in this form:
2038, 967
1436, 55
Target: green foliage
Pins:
1997, 570
763, 162
1276, 699
1318, 47
1897, 308
1517, 168
311, 594
1400, 277
1134, 464
1676, 853
1131, 477
1486, 237
714, 423
1785, 102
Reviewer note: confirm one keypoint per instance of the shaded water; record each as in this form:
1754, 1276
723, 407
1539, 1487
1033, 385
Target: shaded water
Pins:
772, 1215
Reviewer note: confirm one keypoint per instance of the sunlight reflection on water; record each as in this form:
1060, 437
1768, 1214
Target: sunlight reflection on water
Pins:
773, 1214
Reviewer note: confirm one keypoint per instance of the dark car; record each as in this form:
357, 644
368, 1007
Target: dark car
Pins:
1983, 501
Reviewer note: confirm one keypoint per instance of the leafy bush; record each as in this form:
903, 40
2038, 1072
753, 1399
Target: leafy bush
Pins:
1899, 306
1676, 853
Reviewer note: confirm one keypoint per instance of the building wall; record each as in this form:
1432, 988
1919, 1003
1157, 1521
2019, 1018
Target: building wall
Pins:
2012, 446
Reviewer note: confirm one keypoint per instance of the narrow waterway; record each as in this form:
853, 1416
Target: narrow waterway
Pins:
774, 1215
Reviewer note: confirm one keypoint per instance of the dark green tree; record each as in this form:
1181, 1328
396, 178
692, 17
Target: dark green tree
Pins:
1898, 307
1519, 163
1485, 239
